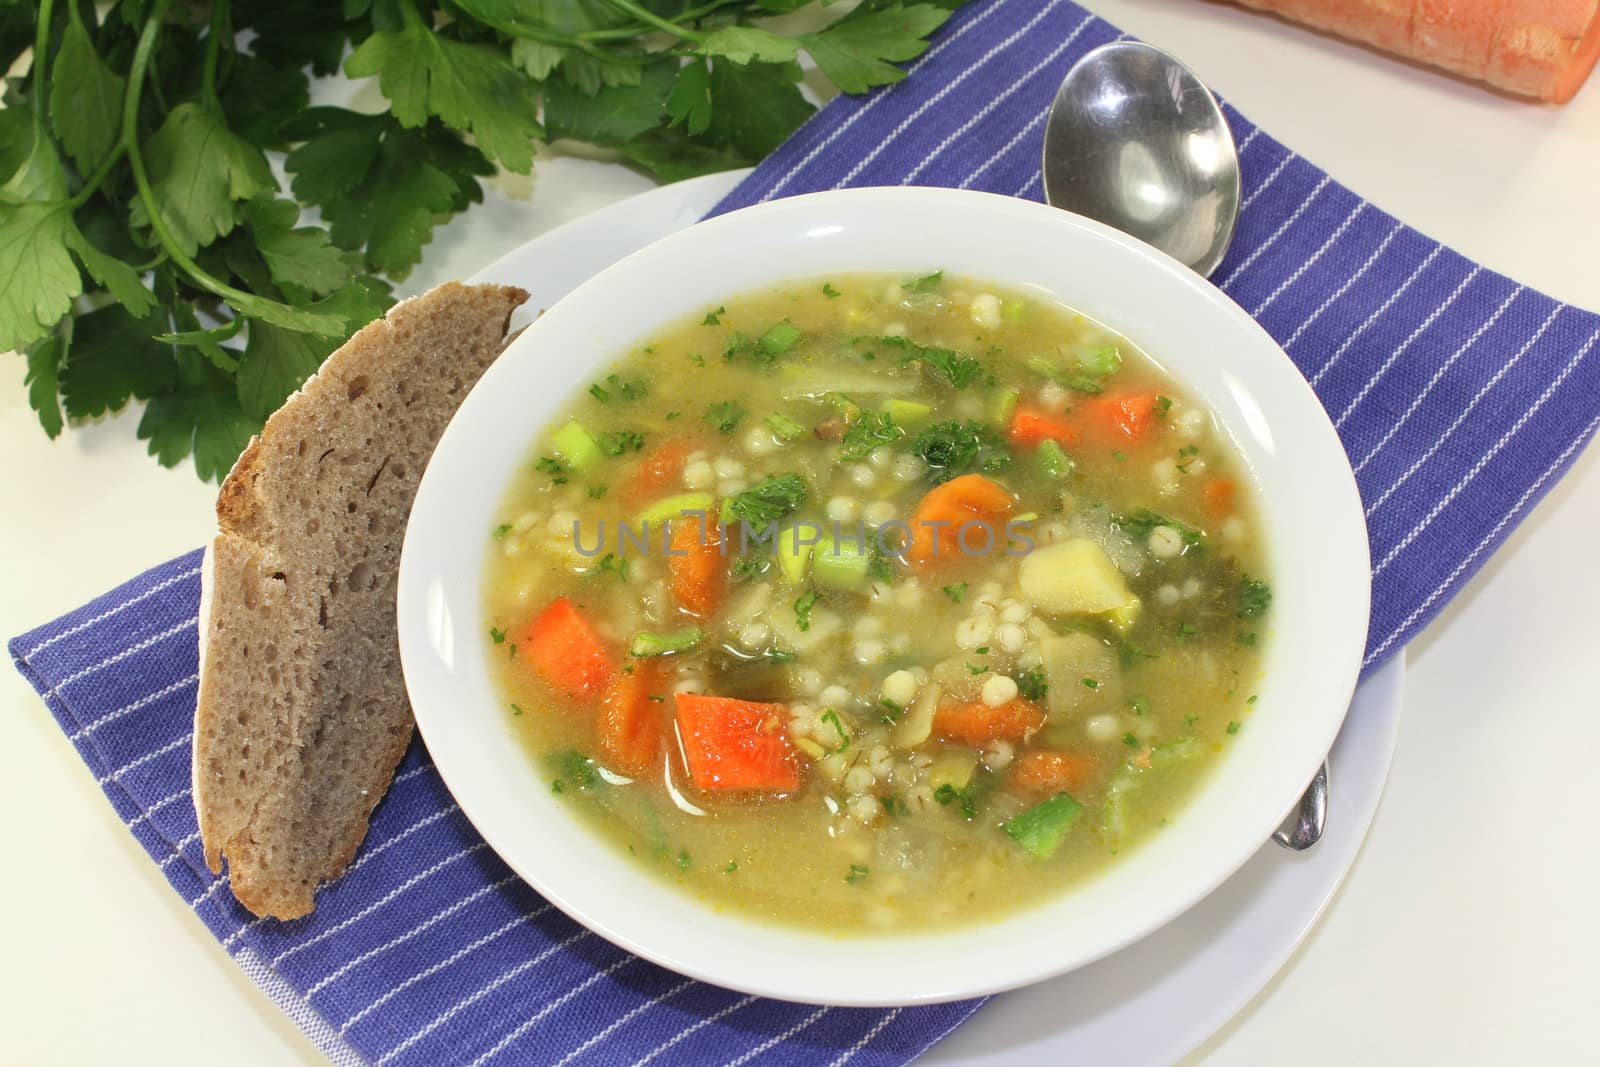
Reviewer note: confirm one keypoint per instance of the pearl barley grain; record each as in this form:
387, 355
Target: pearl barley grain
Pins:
985, 311
1102, 728
900, 687
998, 690
698, 475
1165, 542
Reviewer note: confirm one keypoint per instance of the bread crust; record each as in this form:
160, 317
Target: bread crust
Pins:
301, 716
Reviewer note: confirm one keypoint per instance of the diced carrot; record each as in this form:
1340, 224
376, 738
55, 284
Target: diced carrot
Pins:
939, 517
564, 648
1031, 427
737, 746
1124, 416
697, 567
1047, 772
1219, 496
972, 722
657, 472
630, 720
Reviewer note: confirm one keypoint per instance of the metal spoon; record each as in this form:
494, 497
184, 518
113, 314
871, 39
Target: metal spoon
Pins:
1136, 141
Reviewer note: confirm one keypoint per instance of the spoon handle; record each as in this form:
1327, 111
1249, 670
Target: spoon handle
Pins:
1303, 828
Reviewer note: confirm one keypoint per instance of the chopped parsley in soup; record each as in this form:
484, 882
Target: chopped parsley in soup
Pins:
876, 601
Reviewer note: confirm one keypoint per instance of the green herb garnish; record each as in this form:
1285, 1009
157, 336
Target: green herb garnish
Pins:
831, 717
1032, 685
956, 592
802, 609
610, 563
725, 415
615, 444
954, 448
769, 500
751, 568
944, 364
552, 467
1254, 598
1139, 522
872, 429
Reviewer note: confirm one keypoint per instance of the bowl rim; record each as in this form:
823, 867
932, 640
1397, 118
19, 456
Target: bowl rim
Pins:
420, 634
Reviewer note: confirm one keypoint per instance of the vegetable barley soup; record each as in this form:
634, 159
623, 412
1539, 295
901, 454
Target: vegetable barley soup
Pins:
870, 601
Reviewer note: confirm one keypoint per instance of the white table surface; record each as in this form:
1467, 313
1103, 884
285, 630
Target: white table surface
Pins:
1465, 931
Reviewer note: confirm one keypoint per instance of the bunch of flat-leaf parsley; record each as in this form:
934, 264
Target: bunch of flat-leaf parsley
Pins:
149, 249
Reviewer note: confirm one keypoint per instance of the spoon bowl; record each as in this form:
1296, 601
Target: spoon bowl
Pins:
1136, 141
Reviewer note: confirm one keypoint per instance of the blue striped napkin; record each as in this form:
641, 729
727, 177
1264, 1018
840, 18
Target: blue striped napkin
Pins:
1460, 395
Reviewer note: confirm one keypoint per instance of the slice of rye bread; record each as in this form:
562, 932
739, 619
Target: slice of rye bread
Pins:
302, 713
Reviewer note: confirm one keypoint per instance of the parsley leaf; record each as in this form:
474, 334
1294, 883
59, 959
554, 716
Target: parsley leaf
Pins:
725, 415
769, 500
945, 364
751, 568
615, 114
85, 97
802, 609
953, 448
856, 52
741, 44
872, 429
1254, 597
382, 187
198, 414
199, 171
1032, 685
469, 86
295, 256
1139, 522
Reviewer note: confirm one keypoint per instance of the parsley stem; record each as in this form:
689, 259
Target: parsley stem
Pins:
208, 79
41, 51
130, 143
650, 18
630, 31
92, 183
582, 42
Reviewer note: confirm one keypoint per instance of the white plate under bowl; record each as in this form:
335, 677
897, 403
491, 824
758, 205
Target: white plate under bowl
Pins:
1219, 355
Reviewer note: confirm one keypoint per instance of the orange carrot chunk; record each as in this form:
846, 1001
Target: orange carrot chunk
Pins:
737, 746
1047, 772
972, 722
659, 471
630, 720
566, 652
1219, 494
697, 567
937, 521
1031, 427
1124, 416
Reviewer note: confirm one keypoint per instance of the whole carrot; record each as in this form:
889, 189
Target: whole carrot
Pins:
1538, 48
